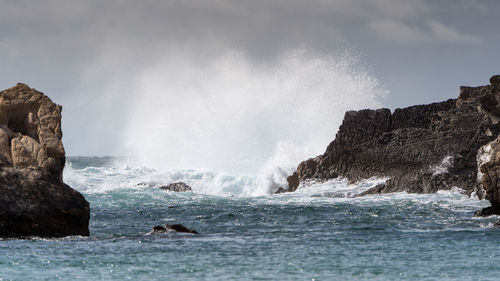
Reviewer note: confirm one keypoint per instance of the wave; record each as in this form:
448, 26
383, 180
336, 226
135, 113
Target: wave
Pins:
98, 179
100, 175
94, 175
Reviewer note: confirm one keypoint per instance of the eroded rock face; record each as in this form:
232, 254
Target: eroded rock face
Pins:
30, 126
421, 148
34, 201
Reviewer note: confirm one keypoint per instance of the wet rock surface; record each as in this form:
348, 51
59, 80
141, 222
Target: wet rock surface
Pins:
177, 187
485, 212
34, 201
421, 149
169, 228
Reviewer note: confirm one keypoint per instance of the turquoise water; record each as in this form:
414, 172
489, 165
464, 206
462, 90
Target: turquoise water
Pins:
314, 234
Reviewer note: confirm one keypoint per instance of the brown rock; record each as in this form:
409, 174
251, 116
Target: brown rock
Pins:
34, 201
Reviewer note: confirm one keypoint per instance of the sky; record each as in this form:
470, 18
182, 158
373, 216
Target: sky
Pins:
114, 64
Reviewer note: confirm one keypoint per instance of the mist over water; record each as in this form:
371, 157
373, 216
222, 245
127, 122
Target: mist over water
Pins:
238, 116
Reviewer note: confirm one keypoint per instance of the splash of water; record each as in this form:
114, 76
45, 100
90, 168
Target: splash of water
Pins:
234, 115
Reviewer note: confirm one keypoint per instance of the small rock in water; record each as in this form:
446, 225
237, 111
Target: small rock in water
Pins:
486, 212
180, 228
171, 228
177, 187
158, 229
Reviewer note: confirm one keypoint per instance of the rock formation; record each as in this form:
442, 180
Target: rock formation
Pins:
34, 201
177, 187
420, 149
489, 157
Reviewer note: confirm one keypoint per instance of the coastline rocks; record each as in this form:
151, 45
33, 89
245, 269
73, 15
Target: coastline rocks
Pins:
421, 149
490, 174
177, 187
169, 228
34, 201
489, 156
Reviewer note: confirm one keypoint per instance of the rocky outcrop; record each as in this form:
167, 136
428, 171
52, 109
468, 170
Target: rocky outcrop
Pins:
421, 149
34, 201
177, 187
489, 157
169, 228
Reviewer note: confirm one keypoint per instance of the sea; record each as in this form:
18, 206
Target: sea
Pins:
321, 232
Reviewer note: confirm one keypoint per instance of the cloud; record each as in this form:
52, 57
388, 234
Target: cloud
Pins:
449, 34
8, 49
74, 50
399, 9
431, 31
398, 32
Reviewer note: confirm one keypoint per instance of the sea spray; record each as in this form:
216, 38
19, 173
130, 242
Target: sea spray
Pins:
237, 116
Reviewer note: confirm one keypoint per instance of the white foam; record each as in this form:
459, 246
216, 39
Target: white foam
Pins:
116, 177
113, 177
443, 167
484, 155
339, 187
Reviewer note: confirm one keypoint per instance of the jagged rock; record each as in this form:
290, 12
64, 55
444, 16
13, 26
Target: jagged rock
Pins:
489, 155
421, 149
34, 201
168, 228
177, 187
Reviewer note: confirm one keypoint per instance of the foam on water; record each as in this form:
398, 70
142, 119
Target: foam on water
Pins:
114, 175
122, 176
117, 175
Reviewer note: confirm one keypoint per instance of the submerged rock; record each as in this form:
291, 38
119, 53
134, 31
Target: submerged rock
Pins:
34, 201
177, 187
421, 149
168, 228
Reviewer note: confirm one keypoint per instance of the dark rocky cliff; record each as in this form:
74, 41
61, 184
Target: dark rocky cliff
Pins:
34, 201
421, 149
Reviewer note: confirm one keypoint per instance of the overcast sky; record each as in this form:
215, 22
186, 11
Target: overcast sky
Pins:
84, 54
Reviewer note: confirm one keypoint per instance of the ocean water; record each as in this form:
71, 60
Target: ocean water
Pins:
320, 232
